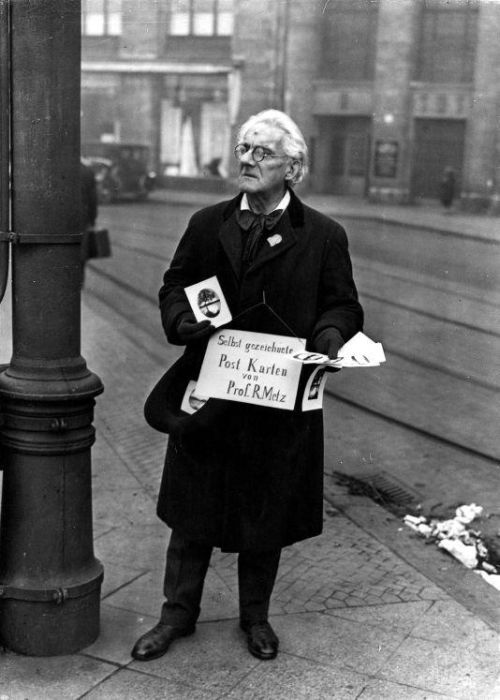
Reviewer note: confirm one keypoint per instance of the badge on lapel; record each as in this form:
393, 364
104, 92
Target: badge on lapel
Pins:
274, 240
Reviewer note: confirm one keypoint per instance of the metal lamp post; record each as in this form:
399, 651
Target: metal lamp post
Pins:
49, 578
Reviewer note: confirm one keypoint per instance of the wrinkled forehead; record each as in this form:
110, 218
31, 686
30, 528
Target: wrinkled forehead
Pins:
262, 134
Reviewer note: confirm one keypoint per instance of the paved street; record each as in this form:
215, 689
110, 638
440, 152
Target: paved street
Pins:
430, 414
364, 611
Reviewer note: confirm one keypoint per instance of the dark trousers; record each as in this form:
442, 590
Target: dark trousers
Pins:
186, 568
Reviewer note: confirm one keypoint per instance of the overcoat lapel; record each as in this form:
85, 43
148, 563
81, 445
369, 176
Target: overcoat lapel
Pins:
230, 238
230, 235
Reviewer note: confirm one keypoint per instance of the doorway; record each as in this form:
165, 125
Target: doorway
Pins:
438, 143
342, 159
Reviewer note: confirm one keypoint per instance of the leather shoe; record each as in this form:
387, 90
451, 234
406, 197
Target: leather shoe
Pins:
262, 641
156, 642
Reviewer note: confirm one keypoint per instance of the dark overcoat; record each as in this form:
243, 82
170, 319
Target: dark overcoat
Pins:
240, 476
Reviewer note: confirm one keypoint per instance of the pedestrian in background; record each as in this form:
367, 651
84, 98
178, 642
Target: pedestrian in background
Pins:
447, 187
214, 168
241, 477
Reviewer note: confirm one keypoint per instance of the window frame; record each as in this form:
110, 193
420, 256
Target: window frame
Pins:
430, 45
215, 14
346, 13
106, 15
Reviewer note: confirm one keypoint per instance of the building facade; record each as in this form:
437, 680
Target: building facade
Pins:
388, 93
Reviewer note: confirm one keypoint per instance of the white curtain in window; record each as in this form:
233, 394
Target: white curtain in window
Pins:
115, 17
94, 17
203, 17
179, 18
215, 132
171, 123
188, 166
234, 94
203, 24
225, 17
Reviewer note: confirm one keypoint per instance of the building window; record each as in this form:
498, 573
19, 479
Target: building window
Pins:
349, 38
102, 17
201, 18
448, 38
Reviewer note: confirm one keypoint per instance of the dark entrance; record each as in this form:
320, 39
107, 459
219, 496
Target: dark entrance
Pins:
341, 158
438, 143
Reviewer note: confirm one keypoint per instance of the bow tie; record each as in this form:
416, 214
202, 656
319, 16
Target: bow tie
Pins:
248, 219
254, 224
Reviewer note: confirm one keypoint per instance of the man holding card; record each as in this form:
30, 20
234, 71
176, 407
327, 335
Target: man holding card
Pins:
241, 477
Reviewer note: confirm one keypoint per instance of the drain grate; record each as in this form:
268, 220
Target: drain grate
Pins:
383, 488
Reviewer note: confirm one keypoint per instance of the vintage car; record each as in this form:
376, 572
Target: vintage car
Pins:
121, 170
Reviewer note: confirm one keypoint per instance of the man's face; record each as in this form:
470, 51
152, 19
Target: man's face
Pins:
268, 176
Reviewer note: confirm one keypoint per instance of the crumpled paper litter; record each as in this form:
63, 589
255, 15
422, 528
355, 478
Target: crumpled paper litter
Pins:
454, 536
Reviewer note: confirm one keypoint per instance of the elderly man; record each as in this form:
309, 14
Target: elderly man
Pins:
245, 478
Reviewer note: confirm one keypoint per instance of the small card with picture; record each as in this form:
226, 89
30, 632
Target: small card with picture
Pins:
208, 303
312, 398
191, 401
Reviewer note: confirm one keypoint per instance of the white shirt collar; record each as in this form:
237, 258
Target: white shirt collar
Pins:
282, 205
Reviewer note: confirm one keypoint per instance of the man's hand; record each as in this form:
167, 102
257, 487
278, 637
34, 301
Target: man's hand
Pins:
189, 329
328, 342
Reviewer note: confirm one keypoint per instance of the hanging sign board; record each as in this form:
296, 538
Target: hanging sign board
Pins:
256, 368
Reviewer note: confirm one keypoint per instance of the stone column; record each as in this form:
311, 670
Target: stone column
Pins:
481, 190
390, 150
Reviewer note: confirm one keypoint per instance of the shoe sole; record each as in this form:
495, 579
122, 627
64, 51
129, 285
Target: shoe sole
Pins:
263, 657
159, 654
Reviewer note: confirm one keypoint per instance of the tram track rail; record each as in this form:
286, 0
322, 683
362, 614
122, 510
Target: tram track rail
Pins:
485, 297
126, 311
430, 314
389, 223
144, 253
360, 264
441, 439
416, 359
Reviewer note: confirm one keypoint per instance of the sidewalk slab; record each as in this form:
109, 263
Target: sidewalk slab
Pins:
141, 686
61, 678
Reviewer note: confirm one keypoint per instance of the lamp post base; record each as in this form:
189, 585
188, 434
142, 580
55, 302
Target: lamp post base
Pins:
50, 622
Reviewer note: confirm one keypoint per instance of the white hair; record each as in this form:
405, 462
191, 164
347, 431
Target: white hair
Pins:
293, 141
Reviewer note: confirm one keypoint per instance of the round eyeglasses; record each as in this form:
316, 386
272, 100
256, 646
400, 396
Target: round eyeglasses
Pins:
258, 153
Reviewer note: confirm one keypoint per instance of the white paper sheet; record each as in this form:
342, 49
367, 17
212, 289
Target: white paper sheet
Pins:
359, 351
